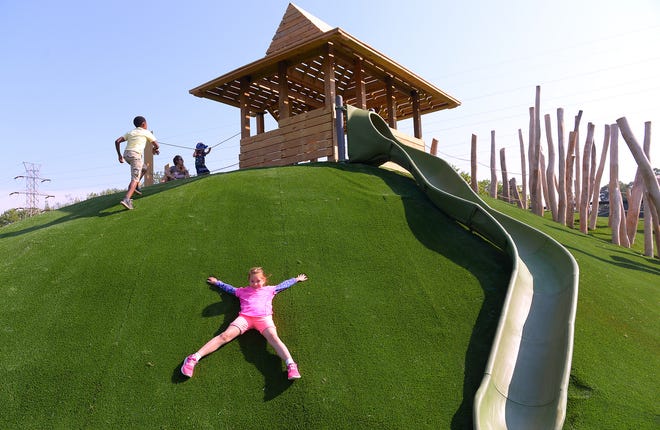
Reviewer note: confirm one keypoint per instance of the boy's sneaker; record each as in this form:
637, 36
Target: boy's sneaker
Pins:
189, 365
292, 371
128, 203
138, 191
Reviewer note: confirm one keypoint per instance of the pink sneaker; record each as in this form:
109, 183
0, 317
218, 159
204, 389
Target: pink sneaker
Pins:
189, 365
292, 371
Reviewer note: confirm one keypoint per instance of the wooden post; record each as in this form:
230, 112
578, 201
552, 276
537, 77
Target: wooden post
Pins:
493, 166
417, 116
538, 180
637, 193
635, 196
434, 147
523, 166
561, 204
651, 229
283, 106
577, 177
586, 167
330, 91
615, 207
149, 164
391, 102
513, 189
623, 234
260, 123
505, 178
648, 214
473, 165
534, 185
358, 76
570, 160
592, 175
550, 172
244, 101
595, 200
643, 163
329, 72
544, 184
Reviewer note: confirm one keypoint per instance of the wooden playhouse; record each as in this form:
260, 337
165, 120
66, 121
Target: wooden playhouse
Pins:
307, 65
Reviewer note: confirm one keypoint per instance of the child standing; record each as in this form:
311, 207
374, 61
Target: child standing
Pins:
201, 151
136, 140
256, 313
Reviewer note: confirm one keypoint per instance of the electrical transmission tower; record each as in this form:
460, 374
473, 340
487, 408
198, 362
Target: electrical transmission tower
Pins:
32, 194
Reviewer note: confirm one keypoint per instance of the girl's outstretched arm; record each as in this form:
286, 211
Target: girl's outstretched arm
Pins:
224, 287
290, 282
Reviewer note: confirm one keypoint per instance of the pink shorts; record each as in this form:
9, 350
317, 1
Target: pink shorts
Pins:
245, 323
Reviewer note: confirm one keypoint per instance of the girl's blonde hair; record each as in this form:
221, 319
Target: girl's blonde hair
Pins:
257, 271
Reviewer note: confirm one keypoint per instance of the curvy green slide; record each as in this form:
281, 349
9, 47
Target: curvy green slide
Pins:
526, 378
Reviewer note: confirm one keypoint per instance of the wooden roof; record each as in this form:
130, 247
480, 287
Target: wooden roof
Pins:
301, 40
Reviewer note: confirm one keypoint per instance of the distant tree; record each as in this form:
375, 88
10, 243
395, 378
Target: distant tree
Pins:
158, 177
11, 216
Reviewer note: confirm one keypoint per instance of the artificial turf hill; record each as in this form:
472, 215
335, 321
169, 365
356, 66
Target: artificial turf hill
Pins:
99, 306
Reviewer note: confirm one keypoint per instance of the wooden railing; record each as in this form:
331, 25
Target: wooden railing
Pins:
300, 138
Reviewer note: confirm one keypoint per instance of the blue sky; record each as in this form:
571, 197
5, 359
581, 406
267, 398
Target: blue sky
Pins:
75, 73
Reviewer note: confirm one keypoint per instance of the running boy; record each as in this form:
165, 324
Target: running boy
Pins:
136, 140
256, 312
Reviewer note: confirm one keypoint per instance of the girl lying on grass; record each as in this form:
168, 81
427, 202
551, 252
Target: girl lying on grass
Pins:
256, 313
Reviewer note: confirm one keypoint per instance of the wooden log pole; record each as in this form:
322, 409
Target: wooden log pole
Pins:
586, 168
592, 176
615, 194
505, 177
637, 193
595, 199
650, 228
513, 191
493, 166
561, 163
523, 166
578, 167
537, 151
649, 216
434, 147
570, 160
534, 198
473, 165
550, 172
544, 184
643, 163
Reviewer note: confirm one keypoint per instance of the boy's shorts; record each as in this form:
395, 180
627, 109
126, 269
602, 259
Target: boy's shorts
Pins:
135, 160
245, 323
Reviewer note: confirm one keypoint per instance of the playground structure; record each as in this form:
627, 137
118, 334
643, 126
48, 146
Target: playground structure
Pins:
307, 65
526, 379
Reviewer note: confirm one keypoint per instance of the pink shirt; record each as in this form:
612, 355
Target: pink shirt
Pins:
256, 302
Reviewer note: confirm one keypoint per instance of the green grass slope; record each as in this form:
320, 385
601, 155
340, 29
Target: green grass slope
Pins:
99, 305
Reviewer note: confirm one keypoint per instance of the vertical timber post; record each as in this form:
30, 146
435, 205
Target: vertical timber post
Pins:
339, 127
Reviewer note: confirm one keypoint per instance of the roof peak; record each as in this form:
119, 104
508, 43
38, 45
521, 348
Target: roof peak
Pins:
297, 25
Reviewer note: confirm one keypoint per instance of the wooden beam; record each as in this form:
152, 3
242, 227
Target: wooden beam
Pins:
391, 102
329, 72
417, 116
260, 123
244, 101
283, 90
358, 76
